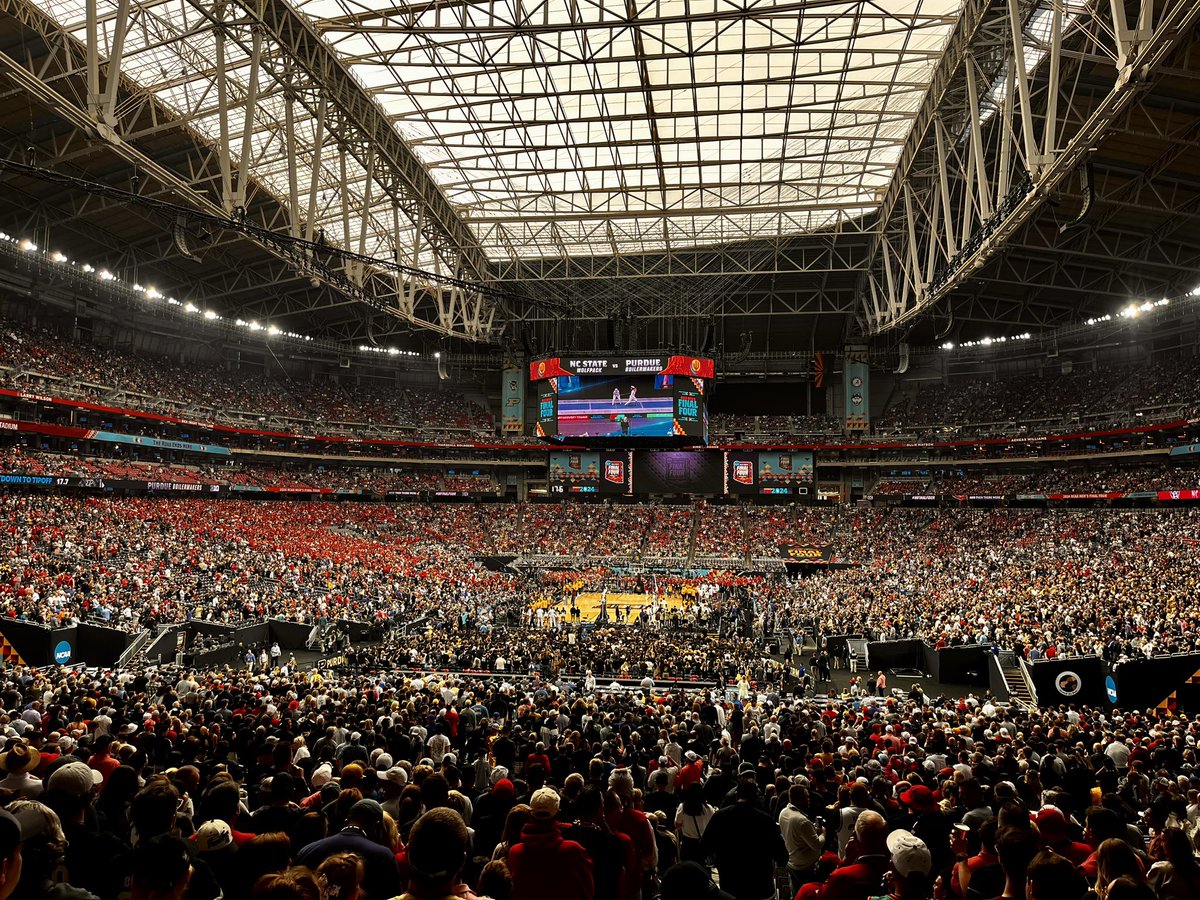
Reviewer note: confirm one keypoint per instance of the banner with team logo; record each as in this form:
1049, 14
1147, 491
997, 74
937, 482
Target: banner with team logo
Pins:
816, 555
512, 398
555, 366
856, 375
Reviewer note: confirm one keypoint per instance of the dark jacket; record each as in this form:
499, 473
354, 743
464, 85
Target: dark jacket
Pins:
381, 876
746, 845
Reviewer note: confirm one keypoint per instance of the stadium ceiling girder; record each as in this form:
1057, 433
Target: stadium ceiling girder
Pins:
825, 93
682, 124
1004, 132
103, 99
839, 250
212, 285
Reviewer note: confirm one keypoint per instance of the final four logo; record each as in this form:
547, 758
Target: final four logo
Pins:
743, 471
614, 471
695, 367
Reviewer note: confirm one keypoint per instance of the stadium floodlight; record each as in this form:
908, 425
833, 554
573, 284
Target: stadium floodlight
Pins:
106, 275
271, 329
59, 257
27, 245
210, 315
949, 345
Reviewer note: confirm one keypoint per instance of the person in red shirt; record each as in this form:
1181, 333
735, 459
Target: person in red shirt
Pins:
860, 874
632, 821
543, 865
1053, 827
539, 757
692, 773
101, 760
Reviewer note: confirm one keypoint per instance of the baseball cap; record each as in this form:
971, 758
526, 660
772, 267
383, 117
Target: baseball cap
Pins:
909, 853
366, 809
322, 775
544, 803
74, 778
1052, 824
282, 785
396, 775
213, 835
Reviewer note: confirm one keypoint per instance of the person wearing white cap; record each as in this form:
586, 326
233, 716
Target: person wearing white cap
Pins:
908, 877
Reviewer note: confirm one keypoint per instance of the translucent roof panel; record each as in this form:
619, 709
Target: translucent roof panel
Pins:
576, 127
626, 125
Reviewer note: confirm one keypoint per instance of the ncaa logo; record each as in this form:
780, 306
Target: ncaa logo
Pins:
1068, 684
695, 367
62, 653
614, 471
1110, 689
541, 369
743, 471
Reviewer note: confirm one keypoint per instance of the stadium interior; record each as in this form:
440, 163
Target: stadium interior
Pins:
544, 451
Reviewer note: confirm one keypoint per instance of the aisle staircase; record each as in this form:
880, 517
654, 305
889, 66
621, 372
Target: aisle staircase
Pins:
1020, 688
691, 547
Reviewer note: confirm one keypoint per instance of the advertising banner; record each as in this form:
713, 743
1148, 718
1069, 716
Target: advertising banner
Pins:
819, 555
512, 399
856, 375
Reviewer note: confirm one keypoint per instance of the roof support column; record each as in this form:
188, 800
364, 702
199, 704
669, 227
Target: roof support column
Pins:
223, 112
289, 128
944, 188
1050, 134
314, 178
981, 179
239, 197
1124, 37
93, 59
1006, 136
117, 51
1022, 76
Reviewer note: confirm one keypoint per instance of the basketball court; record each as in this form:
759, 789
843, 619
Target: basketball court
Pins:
621, 607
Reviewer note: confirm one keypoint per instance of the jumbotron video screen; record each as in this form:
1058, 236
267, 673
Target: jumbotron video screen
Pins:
635, 401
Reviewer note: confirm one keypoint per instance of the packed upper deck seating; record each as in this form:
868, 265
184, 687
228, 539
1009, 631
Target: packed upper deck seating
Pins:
37, 359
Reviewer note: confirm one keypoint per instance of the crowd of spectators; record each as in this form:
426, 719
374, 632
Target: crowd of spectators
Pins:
721, 532
1055, 480
38, 360
170, 784
772, 427
1039, 579
1108, 582
298, 477
1103, 396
